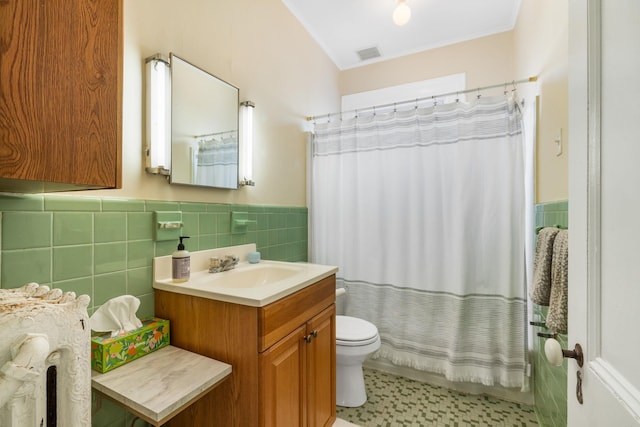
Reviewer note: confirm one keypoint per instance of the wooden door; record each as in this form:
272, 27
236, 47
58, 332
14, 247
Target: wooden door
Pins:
282, 382
321, 368
603, 212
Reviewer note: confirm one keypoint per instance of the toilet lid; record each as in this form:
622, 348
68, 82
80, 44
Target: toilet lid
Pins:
354, 331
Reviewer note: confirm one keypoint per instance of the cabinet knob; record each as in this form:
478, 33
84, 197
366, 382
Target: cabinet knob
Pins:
311, 336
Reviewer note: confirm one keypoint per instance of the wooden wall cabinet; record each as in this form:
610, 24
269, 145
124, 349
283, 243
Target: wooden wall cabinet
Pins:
282, 355
60, 95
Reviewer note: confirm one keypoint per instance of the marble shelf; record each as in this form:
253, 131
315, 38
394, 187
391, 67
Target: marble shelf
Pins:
161, 384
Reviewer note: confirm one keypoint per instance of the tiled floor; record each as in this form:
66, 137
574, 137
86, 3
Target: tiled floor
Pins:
342, 423
396, 401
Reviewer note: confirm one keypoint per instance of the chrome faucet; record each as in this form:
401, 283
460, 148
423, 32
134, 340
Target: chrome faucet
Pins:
217, 265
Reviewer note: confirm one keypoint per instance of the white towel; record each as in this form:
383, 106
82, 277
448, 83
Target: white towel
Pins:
541, 287
558, 301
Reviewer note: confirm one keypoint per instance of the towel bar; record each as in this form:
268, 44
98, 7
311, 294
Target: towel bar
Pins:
544, 335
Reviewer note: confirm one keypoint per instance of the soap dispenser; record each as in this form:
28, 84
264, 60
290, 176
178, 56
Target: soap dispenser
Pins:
181, 263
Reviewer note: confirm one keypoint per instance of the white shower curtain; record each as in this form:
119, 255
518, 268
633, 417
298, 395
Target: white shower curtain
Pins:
216, 162
423, 212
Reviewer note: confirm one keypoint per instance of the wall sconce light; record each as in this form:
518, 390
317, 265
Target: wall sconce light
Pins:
246, 166
158, 149
402, 13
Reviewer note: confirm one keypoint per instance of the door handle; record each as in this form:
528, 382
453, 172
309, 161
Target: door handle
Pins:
555, 353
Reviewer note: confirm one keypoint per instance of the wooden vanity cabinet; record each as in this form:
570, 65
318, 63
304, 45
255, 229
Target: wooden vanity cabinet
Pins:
282, 356
298, 375
60, 95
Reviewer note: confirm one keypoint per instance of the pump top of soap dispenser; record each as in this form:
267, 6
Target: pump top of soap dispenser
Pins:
181, 245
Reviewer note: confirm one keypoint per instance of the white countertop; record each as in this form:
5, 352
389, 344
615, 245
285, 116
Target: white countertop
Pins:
203, 284
161, 384
200, 283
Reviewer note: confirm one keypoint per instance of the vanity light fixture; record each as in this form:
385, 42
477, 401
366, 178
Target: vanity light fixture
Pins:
158, 149
402, 13
246, 165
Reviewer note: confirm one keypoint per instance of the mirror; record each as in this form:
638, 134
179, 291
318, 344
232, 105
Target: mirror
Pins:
204, 128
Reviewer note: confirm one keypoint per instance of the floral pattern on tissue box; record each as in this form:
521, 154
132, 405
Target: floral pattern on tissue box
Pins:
109, 352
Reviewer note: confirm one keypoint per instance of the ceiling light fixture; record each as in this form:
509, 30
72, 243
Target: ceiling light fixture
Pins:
402, 13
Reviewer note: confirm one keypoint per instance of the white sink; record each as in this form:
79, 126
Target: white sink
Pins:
248, 284
253, 275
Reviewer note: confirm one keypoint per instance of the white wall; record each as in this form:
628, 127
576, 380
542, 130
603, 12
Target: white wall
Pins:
541, 48
261, 48
485, 61
538, 46
257, 46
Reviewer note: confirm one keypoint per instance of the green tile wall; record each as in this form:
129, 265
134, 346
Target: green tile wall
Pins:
549, 382
104, 248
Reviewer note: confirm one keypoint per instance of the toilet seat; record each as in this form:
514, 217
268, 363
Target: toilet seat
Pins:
352, 332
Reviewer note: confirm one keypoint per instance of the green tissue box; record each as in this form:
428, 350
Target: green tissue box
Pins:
108, 352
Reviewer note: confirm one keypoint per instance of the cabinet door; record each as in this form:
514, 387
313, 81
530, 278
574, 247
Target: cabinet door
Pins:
321, 369
282, 382
60, 102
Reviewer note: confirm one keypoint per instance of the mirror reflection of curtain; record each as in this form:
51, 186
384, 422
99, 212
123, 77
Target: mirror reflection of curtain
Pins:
216, 162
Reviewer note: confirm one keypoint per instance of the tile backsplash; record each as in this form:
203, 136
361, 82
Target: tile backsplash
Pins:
104, 247
550, 382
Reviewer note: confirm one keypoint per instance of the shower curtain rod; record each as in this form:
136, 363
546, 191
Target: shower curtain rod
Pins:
433, 97
215, 133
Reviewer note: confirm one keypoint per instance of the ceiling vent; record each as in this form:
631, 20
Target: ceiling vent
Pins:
368, 53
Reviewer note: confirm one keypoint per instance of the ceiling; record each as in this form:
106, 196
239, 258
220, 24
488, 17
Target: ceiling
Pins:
344, 27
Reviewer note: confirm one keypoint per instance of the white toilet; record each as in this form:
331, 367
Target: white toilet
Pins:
355, 340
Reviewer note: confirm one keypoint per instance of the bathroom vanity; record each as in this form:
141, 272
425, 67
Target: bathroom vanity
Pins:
281, 344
